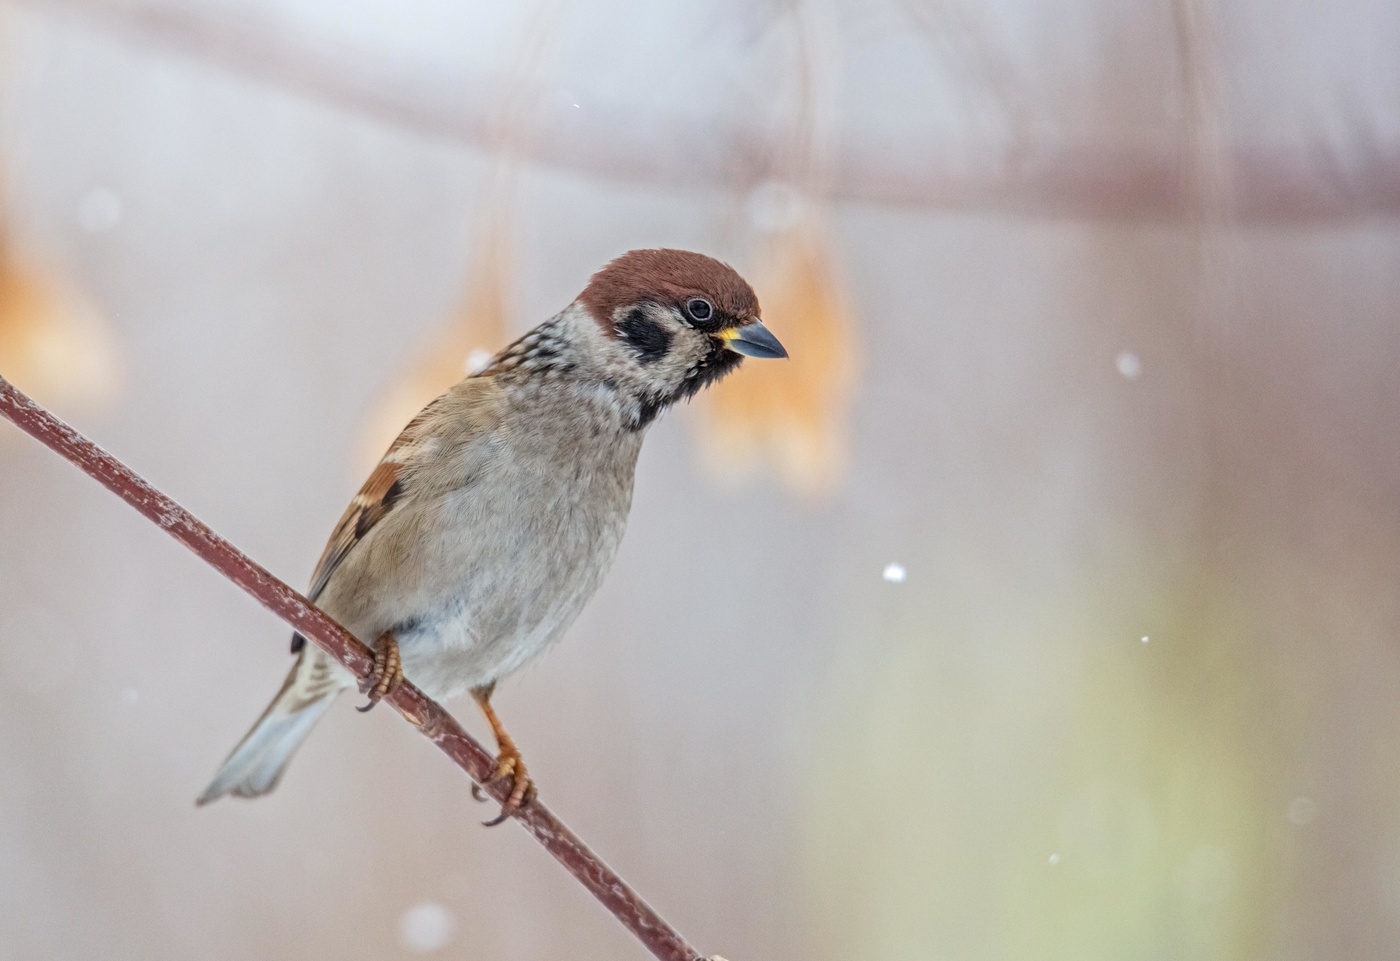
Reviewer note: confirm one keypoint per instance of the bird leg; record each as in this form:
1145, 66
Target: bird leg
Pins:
509, 764
385, 675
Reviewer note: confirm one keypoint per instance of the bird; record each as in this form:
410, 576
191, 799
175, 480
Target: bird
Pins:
495, 514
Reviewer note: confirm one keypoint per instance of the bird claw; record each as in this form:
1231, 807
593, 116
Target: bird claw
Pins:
386, 674
522, 789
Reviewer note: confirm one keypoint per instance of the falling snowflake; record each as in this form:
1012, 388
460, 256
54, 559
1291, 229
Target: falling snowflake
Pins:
476, 360
426, 927
773, 206
895, 573
99, 210
1301, 810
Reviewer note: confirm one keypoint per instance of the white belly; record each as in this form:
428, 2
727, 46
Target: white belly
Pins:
479, 582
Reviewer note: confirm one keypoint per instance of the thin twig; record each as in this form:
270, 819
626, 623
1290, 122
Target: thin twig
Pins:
422, 712
1322, 179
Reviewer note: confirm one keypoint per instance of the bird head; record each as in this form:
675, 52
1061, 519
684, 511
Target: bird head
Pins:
673, 322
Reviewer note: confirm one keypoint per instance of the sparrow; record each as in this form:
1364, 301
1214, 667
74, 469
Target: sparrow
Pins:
495, 514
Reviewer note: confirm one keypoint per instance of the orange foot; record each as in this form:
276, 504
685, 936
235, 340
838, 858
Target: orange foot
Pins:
509, 764
522, 789
385, 675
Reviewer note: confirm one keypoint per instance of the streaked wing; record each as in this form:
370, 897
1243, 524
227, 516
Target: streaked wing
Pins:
384, 488
411, 467
370, 506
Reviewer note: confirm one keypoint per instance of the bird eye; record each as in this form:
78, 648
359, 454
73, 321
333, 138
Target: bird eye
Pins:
699, 309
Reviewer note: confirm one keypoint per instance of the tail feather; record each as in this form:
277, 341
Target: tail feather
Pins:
256, 764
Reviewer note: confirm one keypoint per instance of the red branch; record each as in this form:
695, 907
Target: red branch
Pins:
421, 711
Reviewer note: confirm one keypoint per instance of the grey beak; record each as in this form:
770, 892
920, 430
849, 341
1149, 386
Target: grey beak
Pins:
753, 340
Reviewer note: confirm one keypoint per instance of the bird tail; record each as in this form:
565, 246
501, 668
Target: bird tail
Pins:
257, 763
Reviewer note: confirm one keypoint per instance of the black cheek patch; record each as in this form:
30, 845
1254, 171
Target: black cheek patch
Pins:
647, 337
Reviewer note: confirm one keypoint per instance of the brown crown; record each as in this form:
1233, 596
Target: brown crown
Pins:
669, 277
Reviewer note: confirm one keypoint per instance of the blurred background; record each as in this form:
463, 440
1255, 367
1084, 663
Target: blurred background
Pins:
1046, 605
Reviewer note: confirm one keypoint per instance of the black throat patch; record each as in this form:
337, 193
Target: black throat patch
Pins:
718, 362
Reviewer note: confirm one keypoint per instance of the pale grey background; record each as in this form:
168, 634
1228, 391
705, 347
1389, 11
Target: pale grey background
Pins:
790, 757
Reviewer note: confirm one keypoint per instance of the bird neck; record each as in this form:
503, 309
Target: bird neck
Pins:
568, 357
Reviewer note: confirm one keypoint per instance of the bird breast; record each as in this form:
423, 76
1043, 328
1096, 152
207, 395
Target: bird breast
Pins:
478, 581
